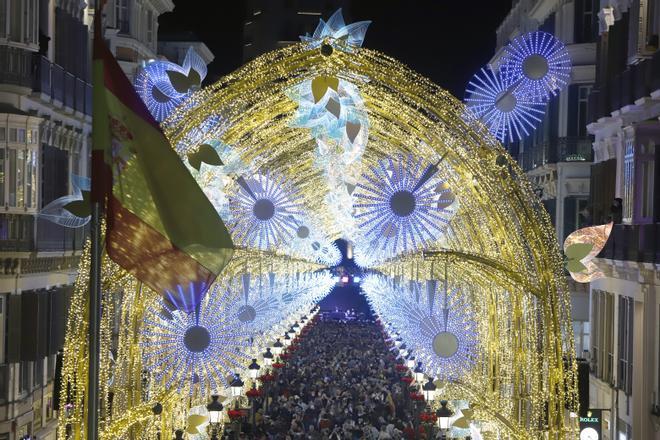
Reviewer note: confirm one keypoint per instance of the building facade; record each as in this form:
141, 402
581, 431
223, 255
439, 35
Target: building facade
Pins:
45, 139
623, 117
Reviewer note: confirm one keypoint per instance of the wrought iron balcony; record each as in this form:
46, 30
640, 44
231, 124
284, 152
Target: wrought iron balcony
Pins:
640, 243
15, 66
61, 86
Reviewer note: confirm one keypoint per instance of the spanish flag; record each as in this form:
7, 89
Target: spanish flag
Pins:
160, 226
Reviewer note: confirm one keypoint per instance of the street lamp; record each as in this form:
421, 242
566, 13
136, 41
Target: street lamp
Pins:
287, 340
398, 341
278, 347
215, 411
268, 357
236, 386
253, 369
296, 327
444, 414
292, 333
402, 350
419, 372
410, 360
429, 390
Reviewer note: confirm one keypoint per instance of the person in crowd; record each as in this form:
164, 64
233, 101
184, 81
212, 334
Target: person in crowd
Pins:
340, 383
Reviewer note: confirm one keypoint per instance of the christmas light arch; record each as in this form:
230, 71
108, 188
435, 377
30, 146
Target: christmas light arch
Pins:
501, 242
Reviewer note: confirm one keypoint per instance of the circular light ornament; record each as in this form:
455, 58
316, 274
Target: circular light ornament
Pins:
397, 206
202, 347
264, 212
538, 64
508, 114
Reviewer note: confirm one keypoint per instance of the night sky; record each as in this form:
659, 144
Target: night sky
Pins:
445, 40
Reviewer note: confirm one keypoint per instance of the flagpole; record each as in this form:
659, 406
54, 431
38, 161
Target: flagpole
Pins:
94, 330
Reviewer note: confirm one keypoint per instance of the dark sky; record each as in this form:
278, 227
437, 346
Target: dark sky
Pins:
445, 40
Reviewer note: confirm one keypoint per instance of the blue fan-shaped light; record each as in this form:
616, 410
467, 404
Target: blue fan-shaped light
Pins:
400, 205
202, 347
508, 113
154, 85
440, 330
264, 211
258, 308
538, 64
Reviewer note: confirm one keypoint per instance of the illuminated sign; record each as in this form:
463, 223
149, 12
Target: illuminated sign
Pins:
590, 426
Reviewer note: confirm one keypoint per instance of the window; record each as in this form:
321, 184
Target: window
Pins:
11, 176
3, 18
122, 14
38, 378
2, 177
150, 27
31, 179
626, 331
628, 181
20, 178
21, 136
12, 135
602, 315
3, 134
582, 120
4, 369
24, 377
624, 430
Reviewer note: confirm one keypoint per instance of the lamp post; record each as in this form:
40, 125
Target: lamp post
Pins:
410, 360
268, 361
278, 347
253, 370
418, 372
444, 414
236, 386
287, 339
215, 411
429, 390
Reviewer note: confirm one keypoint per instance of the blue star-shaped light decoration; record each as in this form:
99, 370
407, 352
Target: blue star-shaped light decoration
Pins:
402, 206
538, 64
337, 33
508, 114
201, 348
164, 85
264, 211
440, 331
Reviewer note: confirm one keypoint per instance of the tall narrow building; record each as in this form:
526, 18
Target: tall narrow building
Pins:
45, 141
623, 117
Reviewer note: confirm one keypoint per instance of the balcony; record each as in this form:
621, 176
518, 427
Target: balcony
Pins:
54, 83
640, 243
19, 234
564, 149
15, 66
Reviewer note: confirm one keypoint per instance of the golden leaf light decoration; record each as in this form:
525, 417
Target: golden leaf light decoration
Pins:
580, 248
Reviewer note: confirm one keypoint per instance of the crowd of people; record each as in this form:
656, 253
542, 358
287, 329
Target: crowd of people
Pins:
340, 383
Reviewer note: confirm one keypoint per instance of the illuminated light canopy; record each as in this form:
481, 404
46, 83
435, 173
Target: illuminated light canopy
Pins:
508, 114
397, 206
203, 347
538, 64
264, 211
164, 85
337, 33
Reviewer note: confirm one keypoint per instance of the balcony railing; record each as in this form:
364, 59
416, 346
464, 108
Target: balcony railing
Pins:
639, 243
61, 86
15, 66
633, 83
18, 233
564, 149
